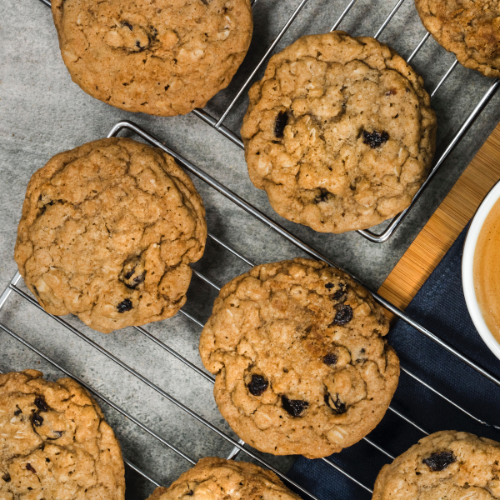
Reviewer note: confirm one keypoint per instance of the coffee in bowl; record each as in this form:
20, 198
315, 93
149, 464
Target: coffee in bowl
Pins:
486, 270
481, 270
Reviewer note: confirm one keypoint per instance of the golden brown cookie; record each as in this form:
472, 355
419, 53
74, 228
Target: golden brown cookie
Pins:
302, 366
339, 132
54, 442
469, 28
107, 233
163, 58
220, 479
446, 465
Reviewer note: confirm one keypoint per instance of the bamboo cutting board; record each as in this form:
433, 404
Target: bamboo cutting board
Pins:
445, 225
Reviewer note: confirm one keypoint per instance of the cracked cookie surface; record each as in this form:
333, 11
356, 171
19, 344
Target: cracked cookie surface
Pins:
339, 132
163, 58
469, 28
220, 479
54, 442
448, 464
107, 233
300, 360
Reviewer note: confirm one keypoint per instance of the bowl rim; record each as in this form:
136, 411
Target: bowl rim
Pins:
468, 268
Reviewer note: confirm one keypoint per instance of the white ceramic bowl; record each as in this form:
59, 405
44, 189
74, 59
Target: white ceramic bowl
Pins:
468, 269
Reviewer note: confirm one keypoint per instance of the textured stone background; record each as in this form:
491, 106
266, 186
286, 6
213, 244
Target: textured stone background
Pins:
42, 112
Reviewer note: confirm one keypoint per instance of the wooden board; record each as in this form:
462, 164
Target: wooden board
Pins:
445, 225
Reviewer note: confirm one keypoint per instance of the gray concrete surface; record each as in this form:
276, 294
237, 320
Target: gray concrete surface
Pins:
42, 112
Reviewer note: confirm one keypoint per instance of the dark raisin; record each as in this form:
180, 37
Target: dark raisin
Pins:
281, 122
439, 461
257, 385
128, 25
42, 405
375, 139
330, 359
125, 305
57, 434
338, 407
139, 279
18, 411
329, 286
47, 460
322, 197
190, 493
133, 272
36, 420
31, 468
6, 477
340, 293
134, 281
343, 315
294, 407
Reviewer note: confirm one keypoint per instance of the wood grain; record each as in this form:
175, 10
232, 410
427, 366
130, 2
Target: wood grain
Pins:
445, 225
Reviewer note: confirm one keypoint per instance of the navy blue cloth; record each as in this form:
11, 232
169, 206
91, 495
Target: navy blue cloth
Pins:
439, 306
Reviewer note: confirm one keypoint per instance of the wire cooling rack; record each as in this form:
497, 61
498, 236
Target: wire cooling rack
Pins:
393, 224
218, 124
237, 445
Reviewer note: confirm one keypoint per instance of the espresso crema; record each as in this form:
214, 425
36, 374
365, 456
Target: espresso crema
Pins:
487, 270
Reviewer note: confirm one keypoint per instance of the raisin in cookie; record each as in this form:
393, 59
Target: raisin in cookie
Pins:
469, 28
446, 465
302, 366
54, 442
219, 479
108, 231
165, 57
339, 132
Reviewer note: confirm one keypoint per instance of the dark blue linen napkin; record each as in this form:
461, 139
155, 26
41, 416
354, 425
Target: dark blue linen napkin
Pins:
439, 306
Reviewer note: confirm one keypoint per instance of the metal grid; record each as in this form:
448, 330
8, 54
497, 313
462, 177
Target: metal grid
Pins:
193, 169
397, 220
394, 223
237, 445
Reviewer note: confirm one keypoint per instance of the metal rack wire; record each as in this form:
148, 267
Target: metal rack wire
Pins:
397, 220
393, 224
237, 445
218, 124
